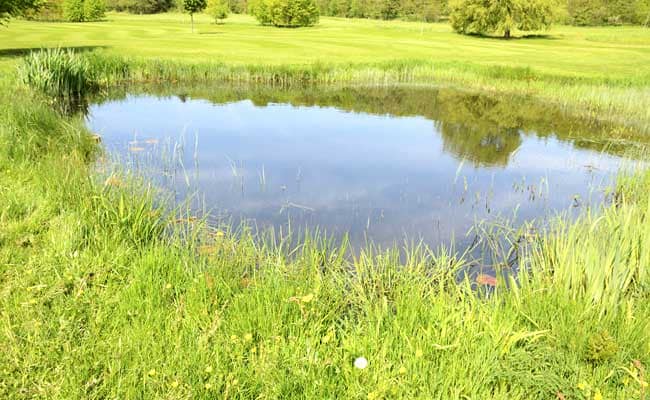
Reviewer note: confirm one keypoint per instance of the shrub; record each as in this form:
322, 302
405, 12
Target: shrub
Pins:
141, 6
94, 10
286, 13
73, 10
217, 9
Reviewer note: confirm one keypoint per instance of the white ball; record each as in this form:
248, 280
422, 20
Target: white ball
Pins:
361, 363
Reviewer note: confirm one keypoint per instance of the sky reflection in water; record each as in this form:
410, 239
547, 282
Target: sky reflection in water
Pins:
373, 174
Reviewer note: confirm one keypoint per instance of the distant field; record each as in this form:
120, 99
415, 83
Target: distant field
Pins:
590, 52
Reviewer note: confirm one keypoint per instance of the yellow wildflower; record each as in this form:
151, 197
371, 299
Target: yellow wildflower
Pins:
598, 395
208, 386
582, 385
402, 371
174, 384
152, 372
248, 337
208, 369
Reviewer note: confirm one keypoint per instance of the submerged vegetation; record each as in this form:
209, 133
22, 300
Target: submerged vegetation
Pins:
105, 294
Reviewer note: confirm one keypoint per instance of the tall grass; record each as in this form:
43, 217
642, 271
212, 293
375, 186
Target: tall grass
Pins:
58, 72
106, 296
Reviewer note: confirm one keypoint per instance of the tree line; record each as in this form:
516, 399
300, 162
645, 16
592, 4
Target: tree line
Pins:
462, 13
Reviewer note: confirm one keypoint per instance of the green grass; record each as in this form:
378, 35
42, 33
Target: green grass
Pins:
104, 295
597, 71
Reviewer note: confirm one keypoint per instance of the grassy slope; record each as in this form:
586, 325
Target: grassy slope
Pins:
94, 303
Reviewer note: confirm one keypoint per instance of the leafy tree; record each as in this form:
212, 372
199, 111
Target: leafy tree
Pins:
73, 10
94, 10
504, 16
141, 6
14, 8
217, 9
286, 13
192, 7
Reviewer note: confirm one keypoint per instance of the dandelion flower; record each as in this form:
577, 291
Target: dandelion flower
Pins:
582, 385
361, 363
152, 372
402, 371
598, 395
174, 384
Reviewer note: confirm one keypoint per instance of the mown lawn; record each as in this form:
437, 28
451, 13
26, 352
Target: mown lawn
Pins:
612, 52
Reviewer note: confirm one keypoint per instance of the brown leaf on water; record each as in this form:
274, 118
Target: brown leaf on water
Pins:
486, 280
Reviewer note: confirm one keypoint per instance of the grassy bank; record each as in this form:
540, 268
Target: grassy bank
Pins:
105, 296
594, 71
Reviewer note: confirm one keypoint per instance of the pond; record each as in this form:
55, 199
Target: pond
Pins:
380, 164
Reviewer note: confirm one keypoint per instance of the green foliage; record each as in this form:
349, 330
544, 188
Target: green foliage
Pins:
419, 10
503, 16
217, 9
94, 10
194, 6
83, 10
608, 12
74, 10
13, 8
141, 6
285, 13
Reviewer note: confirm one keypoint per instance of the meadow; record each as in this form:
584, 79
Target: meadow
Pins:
104, 294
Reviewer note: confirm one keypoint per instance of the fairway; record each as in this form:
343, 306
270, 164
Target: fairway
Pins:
605, 52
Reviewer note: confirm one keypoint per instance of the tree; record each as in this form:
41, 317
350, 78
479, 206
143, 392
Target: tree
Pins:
14, 8
73, 10
217, 9
192, 7
94, 10
286, 13
503, 16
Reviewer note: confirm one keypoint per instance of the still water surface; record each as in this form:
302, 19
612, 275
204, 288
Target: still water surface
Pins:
379, 164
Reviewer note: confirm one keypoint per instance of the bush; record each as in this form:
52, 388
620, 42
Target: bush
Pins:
217, 9
141, 6
73, 10
94, 10
286, 13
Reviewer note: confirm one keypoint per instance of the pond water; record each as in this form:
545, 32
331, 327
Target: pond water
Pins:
381, 164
